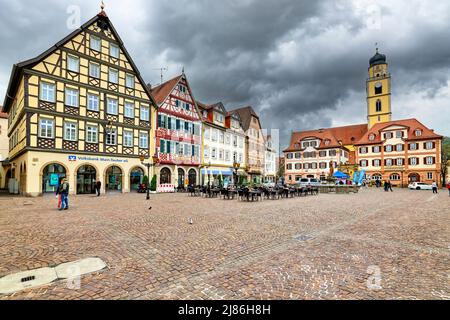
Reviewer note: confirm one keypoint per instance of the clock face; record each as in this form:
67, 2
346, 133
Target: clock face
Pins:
378, 85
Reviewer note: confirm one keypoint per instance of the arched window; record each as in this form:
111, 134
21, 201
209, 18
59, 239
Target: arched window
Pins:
378, 106
51, 177
395, 177
192, 177
165, 176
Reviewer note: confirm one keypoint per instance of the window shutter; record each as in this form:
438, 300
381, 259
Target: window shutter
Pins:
434, 160
434, 145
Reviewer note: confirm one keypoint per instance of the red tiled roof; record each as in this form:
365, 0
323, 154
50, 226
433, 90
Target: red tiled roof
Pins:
3, 115
338, 136
411, 124
161, 92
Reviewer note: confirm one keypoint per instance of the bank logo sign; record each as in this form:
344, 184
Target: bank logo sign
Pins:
72, 158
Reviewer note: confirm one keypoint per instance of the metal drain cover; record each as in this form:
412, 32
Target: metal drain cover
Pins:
39, 277
27, 279
303, 237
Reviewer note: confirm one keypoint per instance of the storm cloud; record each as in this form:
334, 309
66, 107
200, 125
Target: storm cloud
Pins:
300, 64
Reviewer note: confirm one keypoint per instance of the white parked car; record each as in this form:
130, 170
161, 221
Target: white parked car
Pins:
305, 182
420, 186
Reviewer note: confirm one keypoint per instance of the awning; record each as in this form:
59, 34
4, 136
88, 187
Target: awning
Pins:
218, 172
340, 175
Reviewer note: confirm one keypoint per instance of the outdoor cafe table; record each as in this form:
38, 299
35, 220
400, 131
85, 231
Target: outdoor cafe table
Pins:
195, 192
274, 194
254, 194
212, 193
229, 194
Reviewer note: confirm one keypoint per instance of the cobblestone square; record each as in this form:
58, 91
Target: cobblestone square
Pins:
371, 245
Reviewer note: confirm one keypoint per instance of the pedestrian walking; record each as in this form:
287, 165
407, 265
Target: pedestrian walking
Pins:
390, 186
448, 187
434, 186
58, 193
386, 187
98, 187
64, 191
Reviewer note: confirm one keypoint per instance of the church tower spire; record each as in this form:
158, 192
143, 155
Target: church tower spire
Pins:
378, 91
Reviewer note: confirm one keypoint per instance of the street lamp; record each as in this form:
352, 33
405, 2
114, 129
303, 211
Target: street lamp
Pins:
155, 159
236, 166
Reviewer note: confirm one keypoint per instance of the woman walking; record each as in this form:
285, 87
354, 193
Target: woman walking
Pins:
64, 191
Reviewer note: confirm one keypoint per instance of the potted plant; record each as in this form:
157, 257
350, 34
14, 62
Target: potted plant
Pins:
153, 184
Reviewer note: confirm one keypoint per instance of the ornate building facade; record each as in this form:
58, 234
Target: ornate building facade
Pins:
256, 145
80, 111
223, 144
401, 151
178, 134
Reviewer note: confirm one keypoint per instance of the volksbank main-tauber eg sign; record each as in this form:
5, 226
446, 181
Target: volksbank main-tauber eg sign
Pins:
97, 159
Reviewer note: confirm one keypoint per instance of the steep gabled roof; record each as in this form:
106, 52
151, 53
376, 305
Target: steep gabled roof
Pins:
18, 68
161, 92
246, 113
411, 124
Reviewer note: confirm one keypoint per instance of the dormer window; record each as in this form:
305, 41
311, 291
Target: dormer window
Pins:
205, 114
371, 137
296, 146
418, 133
327, 142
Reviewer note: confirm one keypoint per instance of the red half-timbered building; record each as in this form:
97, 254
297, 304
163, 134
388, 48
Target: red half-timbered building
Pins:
178, 134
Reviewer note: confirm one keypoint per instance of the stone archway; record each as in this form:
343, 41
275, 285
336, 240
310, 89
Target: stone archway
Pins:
413, 177
86, 177
51, 177
192, 177
165, 176
181, 177
136, 178
114, 179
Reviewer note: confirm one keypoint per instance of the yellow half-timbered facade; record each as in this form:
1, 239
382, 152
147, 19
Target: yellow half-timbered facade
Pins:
80, 111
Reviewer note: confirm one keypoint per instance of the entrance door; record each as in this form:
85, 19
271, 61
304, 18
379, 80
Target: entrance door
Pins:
86, 176
113, 179
180, 178
136, 178
164, 176
192, 177
51, 177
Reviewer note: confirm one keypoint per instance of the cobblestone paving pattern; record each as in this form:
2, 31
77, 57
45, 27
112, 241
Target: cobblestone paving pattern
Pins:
371, 245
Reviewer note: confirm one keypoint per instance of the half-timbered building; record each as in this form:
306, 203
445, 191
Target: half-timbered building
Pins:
256, 144
81, 111
178, 134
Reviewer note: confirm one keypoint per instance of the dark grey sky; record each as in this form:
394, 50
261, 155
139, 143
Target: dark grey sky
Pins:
300, 64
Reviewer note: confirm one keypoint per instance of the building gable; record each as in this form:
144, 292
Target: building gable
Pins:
54, 61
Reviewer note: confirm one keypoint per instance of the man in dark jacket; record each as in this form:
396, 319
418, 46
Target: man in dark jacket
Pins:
64, 191
98, 187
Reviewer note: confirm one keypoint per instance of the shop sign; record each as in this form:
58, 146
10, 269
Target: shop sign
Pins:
98, 159
54, 179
